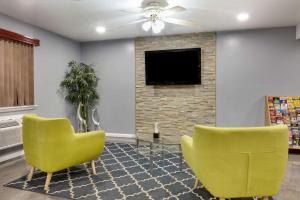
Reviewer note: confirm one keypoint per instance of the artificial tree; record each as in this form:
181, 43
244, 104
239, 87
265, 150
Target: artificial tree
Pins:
80, 85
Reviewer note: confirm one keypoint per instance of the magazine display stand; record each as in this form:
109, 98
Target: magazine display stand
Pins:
285, 110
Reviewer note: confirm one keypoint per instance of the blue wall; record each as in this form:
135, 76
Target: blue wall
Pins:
115, 64
250, 65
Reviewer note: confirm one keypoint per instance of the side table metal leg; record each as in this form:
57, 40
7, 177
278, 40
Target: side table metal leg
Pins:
180, 152
151, 156
137, 149
163, 153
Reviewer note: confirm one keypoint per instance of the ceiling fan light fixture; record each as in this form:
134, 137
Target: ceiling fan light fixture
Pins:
146, 26
157, 26
160, 24
156, 29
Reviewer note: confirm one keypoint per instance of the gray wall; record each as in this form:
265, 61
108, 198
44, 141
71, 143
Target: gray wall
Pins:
50, 61
115, 65
298, 32
250, 65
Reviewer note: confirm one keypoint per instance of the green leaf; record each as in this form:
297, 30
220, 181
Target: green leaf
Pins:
80, 84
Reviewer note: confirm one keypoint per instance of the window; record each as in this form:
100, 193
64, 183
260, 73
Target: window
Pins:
16, 69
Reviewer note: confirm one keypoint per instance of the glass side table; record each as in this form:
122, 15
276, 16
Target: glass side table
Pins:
163, 141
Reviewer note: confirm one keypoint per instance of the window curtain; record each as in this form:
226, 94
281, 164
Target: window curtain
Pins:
16, 73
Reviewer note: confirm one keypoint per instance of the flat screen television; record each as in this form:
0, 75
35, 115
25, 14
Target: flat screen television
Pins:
173, 67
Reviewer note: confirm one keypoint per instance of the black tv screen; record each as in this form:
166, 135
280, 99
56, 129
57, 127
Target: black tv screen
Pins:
173, 67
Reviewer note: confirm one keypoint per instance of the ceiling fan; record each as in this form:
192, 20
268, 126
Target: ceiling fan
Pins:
156, 13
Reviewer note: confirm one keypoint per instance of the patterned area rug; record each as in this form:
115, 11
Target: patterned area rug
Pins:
121, 176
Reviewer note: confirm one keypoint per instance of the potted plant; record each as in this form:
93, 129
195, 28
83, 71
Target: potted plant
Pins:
80, 84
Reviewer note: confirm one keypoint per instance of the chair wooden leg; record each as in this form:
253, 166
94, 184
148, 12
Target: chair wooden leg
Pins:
29, 176
48, 179
196, 184
93, 167
265, 198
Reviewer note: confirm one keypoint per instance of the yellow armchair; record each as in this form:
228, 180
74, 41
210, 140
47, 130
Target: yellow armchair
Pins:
51, 145
238, 162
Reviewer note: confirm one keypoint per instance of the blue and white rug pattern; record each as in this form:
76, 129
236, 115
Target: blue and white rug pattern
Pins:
120, 175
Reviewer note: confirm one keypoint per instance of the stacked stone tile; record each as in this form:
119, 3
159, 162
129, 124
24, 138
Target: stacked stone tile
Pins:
177, 107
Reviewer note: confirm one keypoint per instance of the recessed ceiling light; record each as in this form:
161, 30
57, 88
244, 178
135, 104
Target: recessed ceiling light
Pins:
242, 17
101, 29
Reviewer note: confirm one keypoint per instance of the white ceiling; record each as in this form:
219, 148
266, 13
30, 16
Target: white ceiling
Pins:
77, 19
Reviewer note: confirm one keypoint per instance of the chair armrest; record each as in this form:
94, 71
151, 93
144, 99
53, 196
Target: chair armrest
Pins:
92, 135
188, 149
89, 145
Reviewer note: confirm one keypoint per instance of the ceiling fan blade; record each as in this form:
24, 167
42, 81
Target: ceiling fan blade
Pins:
133, 11
127, 24
180, 22
169, 11
138, 21
175, 9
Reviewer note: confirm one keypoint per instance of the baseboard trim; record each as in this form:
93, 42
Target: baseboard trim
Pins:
120, 135
11, 156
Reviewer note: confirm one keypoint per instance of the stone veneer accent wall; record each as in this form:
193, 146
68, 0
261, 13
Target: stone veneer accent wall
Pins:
177, 107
